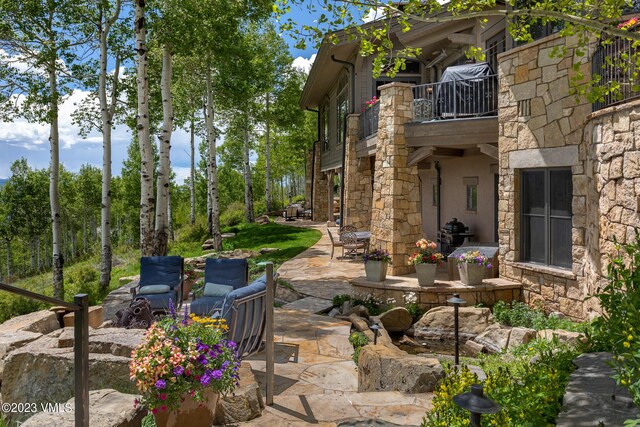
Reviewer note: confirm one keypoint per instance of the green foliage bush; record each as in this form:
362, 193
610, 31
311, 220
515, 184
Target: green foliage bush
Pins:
298, 199
338, 300
84, 280
357, 340
617, 329
528, 385
233, 215
13, 305
521, 315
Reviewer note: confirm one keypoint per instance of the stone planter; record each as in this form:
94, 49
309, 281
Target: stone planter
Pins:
376, 270
191, 413
471, 274
426, 274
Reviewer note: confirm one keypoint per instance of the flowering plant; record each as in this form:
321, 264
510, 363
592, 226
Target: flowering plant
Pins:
190, 272
179, 356
426, 253
370, 103
377, 255
626, 25
474, 257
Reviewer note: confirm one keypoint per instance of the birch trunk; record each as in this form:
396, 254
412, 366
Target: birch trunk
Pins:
169, 217
54, 140
248, 187
267, 157
192, 213
161, 235
147, 201
107, 112
212, 190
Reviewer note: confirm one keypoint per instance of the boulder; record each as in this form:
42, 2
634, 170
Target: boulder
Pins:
238, 254
397, 319
360, 310
41, 322
287, 293
263, 251
472, 348
244, 404
495, 340
116, 341
520, 336
118, 299
263, 219
562, 335
381, 368
358, 323
107, 408
96, 317
128, 279
435, 328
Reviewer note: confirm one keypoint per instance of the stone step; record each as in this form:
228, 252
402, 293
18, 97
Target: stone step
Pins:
310, 304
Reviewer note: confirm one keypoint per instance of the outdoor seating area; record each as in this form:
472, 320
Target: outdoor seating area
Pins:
352, 242
297, 211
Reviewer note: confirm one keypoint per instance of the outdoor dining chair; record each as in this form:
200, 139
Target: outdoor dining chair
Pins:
351, 245
347, 228
334, 243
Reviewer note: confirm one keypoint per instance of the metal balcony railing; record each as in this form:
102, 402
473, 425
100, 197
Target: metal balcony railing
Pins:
614, 71
369, 120
456, 99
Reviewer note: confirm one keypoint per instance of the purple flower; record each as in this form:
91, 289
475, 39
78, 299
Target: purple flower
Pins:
217, 374
205, 379
178, 370
161, 384
231, 345
172, 309
186, 315
225, 365
202, 359
489, 265
203, 348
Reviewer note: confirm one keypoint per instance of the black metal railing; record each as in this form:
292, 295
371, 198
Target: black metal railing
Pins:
80, 346
369, 120
456, 99
614, 71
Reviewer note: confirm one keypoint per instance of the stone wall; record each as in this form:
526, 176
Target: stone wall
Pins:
395, 217
320, 190
308, 172
357, 180
543, 125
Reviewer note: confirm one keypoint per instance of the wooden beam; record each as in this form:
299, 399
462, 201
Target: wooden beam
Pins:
489, 150
418, 155
458, 38
448, 152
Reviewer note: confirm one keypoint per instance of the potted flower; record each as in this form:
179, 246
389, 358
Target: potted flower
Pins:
426, 261
472, 266
375, 265
181, 367
190, 278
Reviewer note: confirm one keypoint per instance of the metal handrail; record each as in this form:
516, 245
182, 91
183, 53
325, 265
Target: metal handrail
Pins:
369, 120
80, 346
454, 99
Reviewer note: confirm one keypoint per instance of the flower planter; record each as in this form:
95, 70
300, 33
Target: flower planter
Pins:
376, 270
426, 274
471, 274
187, 286
191, 413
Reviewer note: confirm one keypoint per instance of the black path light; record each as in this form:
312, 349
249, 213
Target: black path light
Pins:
477, 403
456, 301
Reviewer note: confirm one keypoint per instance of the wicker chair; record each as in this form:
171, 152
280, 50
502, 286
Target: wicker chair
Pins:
351, 244
334, 243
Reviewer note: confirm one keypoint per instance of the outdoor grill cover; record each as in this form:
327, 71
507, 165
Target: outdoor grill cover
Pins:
467, 91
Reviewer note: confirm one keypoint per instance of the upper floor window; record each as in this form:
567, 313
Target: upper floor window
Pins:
546, 196
342, 108
325, 127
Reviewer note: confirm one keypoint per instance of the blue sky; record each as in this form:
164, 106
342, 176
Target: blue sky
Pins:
22, 139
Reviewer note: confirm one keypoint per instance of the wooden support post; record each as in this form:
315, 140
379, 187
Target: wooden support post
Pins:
81, 360
271, 290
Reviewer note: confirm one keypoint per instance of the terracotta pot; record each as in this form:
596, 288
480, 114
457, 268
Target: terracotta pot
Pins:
426, 274
187, 285
471, 274
376, 270
191, 412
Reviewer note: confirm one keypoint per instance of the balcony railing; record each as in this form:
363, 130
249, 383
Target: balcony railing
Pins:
614, 71
456, 99
369, 121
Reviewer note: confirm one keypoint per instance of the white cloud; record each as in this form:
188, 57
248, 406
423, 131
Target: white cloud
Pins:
304, 64
374, 14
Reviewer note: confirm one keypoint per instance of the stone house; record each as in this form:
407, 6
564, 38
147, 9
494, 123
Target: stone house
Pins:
516, 157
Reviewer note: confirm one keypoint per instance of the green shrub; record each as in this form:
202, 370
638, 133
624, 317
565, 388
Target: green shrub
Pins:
374, 306
521, 315
618, 328
339, 300
13, 305
84, 280
298, 199
357, 340
83, 274
233, 215
530, 394
259, 207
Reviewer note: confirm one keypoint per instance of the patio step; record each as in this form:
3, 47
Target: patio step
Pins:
310, 304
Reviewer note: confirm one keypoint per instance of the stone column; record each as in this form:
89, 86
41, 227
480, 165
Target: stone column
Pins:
319, 190
396, 222
357, 180
330, 179
308, 178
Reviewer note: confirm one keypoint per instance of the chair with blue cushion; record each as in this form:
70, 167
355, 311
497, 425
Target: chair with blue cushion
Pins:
161, 279
221, 276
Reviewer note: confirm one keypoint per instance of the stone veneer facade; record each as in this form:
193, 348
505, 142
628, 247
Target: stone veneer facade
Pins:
396, 222
357, 180
559, 131
320, 190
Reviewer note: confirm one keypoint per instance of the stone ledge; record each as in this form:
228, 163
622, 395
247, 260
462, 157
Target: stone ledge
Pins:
614, 109
553, 271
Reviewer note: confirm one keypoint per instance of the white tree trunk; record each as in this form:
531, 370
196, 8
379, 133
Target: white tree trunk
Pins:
54, 195
267, 158
192, 189
161, 236
147, 201
248, 187
212, 188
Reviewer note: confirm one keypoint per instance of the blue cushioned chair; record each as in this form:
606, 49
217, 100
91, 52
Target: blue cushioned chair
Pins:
161, 279
220, 271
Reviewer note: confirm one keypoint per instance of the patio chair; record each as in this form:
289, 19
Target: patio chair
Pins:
351, 244
161, 279
334, 243
221, 276
347, 228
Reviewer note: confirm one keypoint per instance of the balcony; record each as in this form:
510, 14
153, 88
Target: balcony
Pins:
369, 120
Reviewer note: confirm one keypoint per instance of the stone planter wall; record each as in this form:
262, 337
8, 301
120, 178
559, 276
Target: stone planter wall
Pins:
358, 192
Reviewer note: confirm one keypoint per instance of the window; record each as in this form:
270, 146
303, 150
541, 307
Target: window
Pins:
472, 193
546, 216
342, 108
325, 128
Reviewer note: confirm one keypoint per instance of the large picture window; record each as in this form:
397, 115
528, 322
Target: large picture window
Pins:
342, 108
325, 128
546, 216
